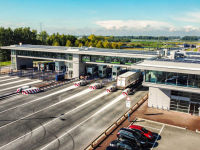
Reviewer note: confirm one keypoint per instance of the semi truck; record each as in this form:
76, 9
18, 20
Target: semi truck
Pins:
128, 78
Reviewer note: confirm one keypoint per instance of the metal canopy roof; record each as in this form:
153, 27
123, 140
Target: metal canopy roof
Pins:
182, 60
86, 49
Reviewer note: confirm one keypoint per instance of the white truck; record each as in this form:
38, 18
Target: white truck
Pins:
127, 79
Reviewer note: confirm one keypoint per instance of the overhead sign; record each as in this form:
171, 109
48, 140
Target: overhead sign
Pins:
128, 102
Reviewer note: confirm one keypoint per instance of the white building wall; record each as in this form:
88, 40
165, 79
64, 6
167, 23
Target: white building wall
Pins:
76, 72
159, 98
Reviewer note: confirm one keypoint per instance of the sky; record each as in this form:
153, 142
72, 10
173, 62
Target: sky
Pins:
104, 17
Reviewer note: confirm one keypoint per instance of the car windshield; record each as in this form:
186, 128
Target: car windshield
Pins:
144, 130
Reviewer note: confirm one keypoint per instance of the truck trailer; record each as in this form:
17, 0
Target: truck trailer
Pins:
128, 78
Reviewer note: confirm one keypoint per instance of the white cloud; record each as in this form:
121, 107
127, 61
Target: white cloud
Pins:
190, 28
144, 25
189, 17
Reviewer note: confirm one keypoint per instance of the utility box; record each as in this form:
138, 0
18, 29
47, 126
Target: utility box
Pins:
116, 72
90, 70
102, 70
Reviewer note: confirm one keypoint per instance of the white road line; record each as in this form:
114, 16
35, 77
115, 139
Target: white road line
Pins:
146, 126
81, 93
4, 77
158, 136
17, 86
9, 79
102, 109
60, 91
14, 82
86, 91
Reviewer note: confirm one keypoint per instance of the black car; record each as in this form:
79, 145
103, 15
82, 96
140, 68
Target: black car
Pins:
133, 136
111, 148
123, 145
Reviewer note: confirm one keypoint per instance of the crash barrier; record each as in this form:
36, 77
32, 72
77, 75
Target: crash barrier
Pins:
32, 90
55, 84
111, 128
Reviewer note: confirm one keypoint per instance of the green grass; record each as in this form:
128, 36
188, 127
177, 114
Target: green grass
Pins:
188, 49
195, 50
5, 63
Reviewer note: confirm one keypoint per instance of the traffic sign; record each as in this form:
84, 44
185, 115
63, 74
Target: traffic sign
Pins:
128, 102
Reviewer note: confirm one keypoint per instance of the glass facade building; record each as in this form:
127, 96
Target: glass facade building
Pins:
185, 102
172, 78
110, 59
45, 54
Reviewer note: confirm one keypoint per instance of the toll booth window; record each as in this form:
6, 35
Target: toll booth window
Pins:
70, 65
100, 71
70, 57
104, 66
114, 73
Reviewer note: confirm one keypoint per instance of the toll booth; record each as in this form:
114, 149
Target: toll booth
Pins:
115, 71
102, 70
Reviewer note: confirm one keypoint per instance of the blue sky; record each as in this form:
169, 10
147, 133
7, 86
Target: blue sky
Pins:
104, 17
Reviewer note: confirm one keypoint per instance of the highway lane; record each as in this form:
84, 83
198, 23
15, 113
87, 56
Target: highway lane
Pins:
47, 116
60, 127
32, 99
86, 132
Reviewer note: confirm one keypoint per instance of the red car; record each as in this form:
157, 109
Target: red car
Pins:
142, 130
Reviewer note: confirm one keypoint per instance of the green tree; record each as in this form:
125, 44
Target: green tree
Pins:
69, 43
106, 44
114, 45
56, 43
91, 44
76, 43
86, 43
80, 45
99, 44
119, 44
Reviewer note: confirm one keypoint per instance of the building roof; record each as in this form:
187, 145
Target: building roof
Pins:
85, 50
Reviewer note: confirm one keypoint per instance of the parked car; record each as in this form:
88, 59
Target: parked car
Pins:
111, 148
123, 145
133, 136
142, 131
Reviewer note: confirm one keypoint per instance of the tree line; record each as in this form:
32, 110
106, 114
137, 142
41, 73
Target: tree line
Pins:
25, 35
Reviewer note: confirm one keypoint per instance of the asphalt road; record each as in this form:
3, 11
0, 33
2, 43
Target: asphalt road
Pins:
65, 117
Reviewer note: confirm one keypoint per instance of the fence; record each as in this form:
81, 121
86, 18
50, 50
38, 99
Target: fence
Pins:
110, 129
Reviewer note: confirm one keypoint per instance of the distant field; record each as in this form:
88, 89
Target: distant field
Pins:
5, 63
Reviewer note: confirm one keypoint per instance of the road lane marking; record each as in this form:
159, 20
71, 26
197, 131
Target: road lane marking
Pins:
102, 109
9, 79
91, 100
146, 126
4, 77
18, 86
14, 82
158, 136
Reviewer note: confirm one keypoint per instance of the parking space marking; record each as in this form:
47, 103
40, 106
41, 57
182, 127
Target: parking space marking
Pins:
14, 82
9, 79
146, 126
17, 86
158, 136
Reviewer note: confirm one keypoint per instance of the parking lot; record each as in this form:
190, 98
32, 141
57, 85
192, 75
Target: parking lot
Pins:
63, 117
168, 137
